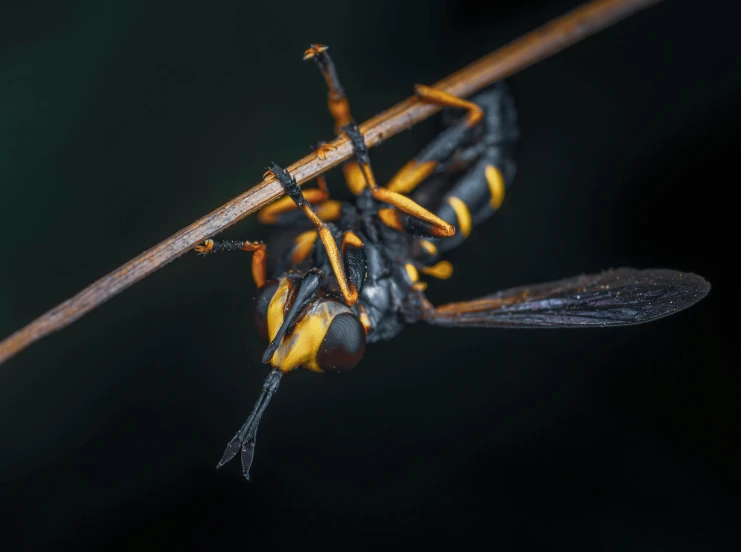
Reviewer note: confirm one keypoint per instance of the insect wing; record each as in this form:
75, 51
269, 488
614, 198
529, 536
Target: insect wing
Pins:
620, 297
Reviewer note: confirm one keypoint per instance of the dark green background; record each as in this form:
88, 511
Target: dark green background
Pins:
121, 122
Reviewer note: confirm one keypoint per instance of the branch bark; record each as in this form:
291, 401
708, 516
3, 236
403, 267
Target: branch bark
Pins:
541, 43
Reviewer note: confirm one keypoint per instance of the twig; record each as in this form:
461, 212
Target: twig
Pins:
517, 55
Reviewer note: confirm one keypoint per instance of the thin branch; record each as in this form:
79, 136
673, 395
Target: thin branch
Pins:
517, 55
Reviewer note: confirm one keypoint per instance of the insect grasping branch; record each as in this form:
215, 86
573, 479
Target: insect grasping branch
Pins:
515, 56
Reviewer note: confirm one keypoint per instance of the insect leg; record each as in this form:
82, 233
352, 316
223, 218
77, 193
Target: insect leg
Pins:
441, 148
349, 291
420, 221
339, 108
479, 193
278, 211
258, 249
356, 265
486, 160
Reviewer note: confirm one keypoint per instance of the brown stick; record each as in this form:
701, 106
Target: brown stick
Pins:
517, 55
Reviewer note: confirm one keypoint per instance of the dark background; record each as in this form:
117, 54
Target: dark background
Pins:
121, 122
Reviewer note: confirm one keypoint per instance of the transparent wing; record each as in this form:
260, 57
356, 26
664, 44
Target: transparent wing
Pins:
620, 297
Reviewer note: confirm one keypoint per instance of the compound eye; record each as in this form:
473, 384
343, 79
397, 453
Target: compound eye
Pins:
343, 345
261, 303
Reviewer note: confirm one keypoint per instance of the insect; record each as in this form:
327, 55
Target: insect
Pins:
354, 276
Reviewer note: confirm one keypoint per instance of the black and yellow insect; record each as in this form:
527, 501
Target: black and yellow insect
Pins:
357, 275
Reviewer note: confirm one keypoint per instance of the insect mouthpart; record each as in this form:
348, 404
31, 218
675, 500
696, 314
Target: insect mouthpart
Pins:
321, 334
306, 293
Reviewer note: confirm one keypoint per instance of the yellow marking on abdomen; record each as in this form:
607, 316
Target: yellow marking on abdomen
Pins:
428, 246
304, 244
496, 186
412, 272
390, 217
463, 214
351, 239
354, 177
442, 270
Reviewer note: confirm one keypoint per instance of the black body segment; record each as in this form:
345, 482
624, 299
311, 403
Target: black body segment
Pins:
488, 153
420, 228
356, 263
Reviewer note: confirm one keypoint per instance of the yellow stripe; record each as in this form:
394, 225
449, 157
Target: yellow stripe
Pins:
412, 272
390, 217
354, 177
463, 214
351, 238
303, 245
442, 270
429, 247
496, 186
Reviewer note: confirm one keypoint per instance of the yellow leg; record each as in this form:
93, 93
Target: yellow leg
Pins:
438, 97
320, 195
337, 102
418, 169
442, 270
429, 223
339, 108
258, 249
335, 258
350, 293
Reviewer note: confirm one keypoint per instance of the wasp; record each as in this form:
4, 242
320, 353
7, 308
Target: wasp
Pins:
356, 275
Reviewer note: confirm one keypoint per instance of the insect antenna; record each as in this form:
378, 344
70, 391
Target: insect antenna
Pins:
247, 435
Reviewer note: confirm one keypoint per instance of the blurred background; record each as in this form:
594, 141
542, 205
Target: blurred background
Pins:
122, 122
